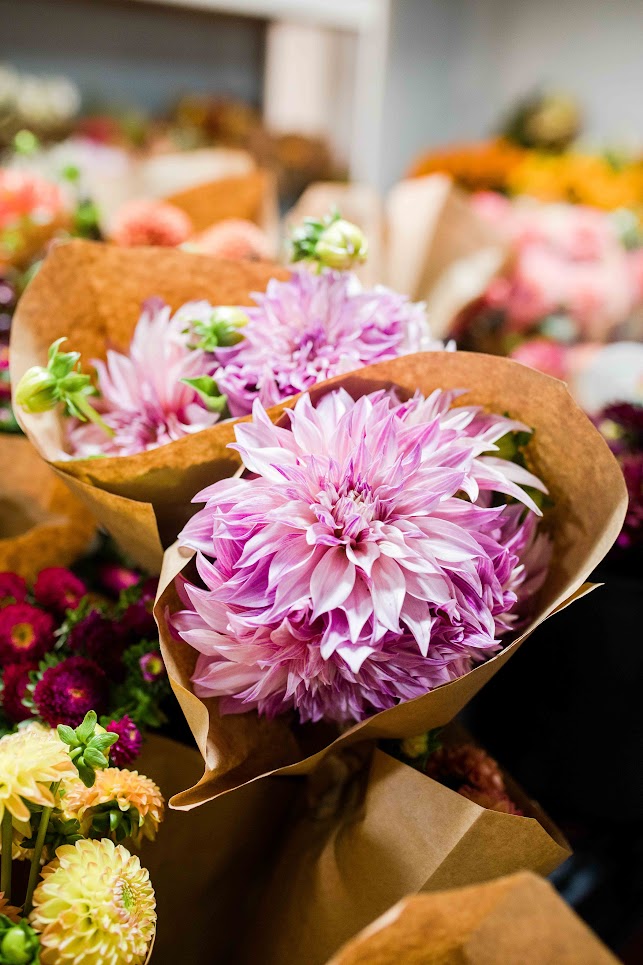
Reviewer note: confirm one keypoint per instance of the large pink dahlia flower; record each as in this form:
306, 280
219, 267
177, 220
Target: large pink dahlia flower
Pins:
312, 327
361, 560
142, 397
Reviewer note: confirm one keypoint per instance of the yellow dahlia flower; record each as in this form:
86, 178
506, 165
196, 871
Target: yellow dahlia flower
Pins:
94, 906
30, 761
123, 788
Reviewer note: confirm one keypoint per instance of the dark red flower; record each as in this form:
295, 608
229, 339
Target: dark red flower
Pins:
137, 623
103, 641
632, 532
14, 687
13, 589
129, 743
58, 589
26, 633
67, 691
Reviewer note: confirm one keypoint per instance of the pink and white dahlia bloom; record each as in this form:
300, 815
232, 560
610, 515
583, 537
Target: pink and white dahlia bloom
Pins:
362, 559
142, 397
312, 327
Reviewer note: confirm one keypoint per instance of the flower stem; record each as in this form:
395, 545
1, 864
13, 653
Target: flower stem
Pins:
90, 412
34, 871
7, 854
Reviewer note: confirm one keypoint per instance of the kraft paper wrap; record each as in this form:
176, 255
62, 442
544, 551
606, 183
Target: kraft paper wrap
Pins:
286, 871
590, 499
93, 293
519, 920
425, 240
41, 522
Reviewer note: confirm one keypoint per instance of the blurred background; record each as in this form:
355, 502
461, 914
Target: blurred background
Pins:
492, 151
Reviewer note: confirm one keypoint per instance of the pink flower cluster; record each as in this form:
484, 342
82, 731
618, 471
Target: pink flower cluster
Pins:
567, 260
362, 560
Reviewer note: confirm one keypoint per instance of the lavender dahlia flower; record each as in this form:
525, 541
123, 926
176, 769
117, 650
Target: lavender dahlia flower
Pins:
311, 327
142, 396
360, 561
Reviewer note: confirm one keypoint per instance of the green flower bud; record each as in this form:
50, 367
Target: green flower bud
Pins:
37, 390
341, 245
221, 330
415, 746
19, 944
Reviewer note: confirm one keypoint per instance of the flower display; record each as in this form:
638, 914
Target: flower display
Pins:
68, 689
30, 761
94, 906
26, 633
58, 589
361, 561
144, 398
129, 743
150, 222
13, 589
310, 328
124, 790
621, 423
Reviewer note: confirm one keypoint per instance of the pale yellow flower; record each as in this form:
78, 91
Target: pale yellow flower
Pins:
31, 760
95, 905
127, 789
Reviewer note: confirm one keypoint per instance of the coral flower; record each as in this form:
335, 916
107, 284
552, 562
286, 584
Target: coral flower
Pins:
127, 789
26, 633
30, 761
26, 195
14, 688
94, 906
68, 690
58, 589
235, 239
362, 563
13, 589
143, 398
150, 222
312, 327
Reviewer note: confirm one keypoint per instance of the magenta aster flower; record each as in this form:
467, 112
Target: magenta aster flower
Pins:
65, 692
58, 589
129, 743
13, 589
312, 327
360, 561
14, 687
116, 578
26, 633
152, 667
143, 398
103, 641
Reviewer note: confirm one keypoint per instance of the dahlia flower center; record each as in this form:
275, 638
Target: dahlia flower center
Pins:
312, 340
127, 902
77, 693
23, 635
350, 512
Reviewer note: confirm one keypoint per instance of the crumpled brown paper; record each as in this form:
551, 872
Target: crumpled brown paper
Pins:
41, 523
93, 293
518, 920
425, 241
589, 496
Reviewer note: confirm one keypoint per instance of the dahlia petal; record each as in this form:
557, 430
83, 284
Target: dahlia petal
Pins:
331, 581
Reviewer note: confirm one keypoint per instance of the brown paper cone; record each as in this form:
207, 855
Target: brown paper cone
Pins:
519, 920
408, 833
250, 197
589, 496
93, 294
41, 523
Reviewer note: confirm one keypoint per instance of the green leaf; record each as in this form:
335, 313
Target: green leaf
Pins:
67, 735
86, 730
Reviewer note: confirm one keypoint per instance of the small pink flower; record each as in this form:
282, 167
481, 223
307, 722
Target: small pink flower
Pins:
13, 589
116, 578
58, 589
26, 195
235, 239
150, 222
26, 633
152, 667
129, 743
544, 355
361, 561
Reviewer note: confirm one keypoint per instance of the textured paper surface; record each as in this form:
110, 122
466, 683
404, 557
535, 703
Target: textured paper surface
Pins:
588, 490
93, 293
41, 522
519, 920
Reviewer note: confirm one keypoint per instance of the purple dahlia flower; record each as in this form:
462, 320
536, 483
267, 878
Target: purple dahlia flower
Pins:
359, 562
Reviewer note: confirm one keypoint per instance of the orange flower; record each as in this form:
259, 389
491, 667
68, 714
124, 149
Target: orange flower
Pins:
120, 787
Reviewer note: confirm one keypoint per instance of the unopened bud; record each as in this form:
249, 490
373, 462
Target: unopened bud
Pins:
341, 245
37, 390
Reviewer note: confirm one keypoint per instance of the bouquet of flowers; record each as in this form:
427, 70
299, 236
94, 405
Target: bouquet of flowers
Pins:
65, 650
66, 812
197, 361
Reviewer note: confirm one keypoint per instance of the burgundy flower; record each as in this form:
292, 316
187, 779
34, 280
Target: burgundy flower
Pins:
137, 623
26, 633
67, 691
15, 680
58, 589
101, 640
13, 589
129, 743
632, 532
152, 667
